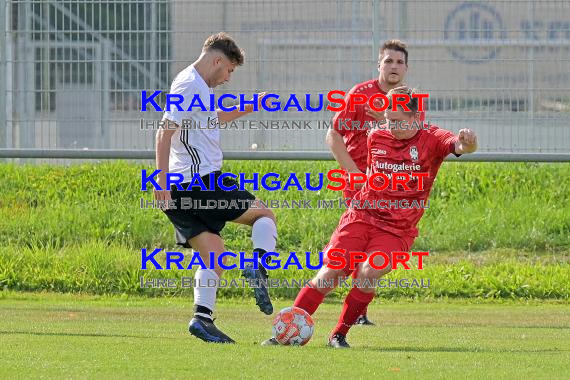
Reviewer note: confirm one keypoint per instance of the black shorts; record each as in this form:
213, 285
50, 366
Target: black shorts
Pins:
191, 217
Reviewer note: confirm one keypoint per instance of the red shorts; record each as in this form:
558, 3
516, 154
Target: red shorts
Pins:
353, 234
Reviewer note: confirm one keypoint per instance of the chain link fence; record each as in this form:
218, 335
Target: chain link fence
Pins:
72, 72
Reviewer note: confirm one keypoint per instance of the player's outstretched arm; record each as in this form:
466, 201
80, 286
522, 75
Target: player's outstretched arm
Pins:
467, 142
228, 116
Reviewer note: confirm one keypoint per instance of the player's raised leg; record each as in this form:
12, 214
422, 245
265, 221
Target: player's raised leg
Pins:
311, 296
363, 319
356, 302
362, 292
264, 238
202, 324
350, 235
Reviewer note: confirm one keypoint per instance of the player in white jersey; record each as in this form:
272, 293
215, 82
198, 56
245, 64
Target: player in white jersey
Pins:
194, 152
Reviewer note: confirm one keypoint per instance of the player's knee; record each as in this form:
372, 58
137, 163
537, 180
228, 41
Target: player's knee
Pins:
266, 213
385, 271
379, 266
252, 215
259, 211
370, 273
366, 272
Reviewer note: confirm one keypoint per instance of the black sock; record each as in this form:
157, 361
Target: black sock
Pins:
203, 313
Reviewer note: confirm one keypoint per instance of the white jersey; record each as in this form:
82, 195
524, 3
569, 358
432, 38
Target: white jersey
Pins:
197, 149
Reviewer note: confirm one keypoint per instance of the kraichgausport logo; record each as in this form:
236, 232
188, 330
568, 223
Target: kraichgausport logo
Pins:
176, 102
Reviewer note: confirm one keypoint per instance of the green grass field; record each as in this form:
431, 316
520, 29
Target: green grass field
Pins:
474, 207
71, 305
493, 230
72, 336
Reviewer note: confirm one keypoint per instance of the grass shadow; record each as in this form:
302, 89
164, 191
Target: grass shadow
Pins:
90, 335
459, 349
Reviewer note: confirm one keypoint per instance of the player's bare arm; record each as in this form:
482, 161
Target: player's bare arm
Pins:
228, 116
338, 148
467, 142
163, 137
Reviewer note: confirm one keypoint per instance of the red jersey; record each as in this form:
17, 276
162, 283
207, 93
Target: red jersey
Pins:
423, 153
355, 135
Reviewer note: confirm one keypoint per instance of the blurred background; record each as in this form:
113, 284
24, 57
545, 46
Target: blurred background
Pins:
72, 71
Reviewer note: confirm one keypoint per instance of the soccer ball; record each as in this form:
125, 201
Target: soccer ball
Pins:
293, 326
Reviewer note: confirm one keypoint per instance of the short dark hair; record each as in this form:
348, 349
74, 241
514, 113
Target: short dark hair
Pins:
396, 45
224, 43
412, 104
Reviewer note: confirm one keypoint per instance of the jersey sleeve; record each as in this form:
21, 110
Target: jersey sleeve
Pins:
343, 128
185, 89
445, 142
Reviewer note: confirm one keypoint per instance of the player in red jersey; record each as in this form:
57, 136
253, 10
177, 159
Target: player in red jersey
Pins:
347, 139
391, 152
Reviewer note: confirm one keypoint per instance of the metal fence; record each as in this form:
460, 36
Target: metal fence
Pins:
71, 72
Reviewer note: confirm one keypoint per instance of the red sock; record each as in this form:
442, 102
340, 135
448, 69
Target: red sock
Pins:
365, 311
309, 299
356, 301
